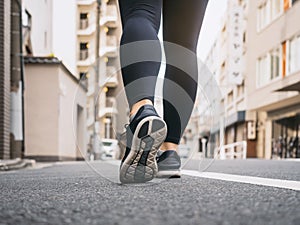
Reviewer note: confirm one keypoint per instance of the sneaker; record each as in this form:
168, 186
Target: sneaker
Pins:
144, 135
168, 164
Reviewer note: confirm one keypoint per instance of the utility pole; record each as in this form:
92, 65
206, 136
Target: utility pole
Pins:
97, 71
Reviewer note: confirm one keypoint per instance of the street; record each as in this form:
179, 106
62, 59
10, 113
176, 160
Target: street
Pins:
82, 193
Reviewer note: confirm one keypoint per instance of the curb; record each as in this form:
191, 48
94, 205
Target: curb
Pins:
16, 164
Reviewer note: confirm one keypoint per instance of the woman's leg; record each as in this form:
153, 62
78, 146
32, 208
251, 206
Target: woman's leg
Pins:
140, 21
146, 130
182, 22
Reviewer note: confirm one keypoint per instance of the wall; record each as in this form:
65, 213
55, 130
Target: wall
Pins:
64, 32
54, 29
41, 30
4, 78
259, 43
71, 95
41, 110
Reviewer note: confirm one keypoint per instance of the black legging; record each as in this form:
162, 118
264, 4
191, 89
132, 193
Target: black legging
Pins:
182, 20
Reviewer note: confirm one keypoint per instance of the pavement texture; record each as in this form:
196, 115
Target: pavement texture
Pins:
73, 193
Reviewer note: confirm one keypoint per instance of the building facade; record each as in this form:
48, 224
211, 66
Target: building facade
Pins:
100, 68
273, 76
5, 8
255, 59
55, 120
226, 61
53, 30
68, 31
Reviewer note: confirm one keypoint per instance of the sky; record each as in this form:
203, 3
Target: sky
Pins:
211, 26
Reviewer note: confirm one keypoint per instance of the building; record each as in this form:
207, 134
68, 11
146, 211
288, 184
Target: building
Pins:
53, 30
106, 66
5, 7
11, 81
72, 37
273, 76
260, 81
55, 120
226, 61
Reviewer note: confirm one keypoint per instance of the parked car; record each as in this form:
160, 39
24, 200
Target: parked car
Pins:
109, 149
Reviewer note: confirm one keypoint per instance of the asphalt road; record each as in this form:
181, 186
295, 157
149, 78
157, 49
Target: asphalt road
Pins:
77, 193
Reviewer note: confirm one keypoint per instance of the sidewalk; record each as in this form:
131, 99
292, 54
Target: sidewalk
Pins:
15, 164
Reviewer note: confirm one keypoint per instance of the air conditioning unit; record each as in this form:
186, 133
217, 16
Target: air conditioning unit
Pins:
251, 130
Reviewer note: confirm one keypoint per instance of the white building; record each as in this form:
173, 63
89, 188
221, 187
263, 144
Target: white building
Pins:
67, 30
226, 61
53, 31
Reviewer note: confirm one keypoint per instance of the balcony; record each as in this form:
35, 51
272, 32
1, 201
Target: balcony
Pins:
85, 2
110, 78
86, 28
110, 107
110, 16
83, 54
110, 49
85, 59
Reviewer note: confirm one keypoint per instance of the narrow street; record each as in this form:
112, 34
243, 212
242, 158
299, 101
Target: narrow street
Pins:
82, 193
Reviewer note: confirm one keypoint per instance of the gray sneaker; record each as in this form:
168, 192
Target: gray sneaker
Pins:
169, 164
145, 134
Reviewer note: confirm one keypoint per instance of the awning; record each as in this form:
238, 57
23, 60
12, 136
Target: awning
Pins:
292, 87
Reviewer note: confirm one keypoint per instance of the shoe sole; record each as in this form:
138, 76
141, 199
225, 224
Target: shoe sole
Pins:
140, 165
168, 174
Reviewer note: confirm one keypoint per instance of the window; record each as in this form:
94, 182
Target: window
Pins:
262, 71
240, 89
84, 50
269, 67
268, 11
230, 97
83, 75
275, 63
84, 20
294, 55
276, 8
294, 1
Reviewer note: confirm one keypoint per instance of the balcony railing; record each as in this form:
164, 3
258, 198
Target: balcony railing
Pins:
110, 16
110, 77
110, 107
85, 2
110, 49
83, 54
111, 40
83, 24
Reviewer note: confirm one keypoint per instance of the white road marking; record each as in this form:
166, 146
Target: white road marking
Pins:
287, 184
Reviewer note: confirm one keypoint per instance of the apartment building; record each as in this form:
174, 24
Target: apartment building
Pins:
226, 61
273, 76
100, 66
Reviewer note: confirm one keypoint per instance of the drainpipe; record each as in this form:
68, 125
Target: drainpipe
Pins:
97, 69
17, 80
22, 75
